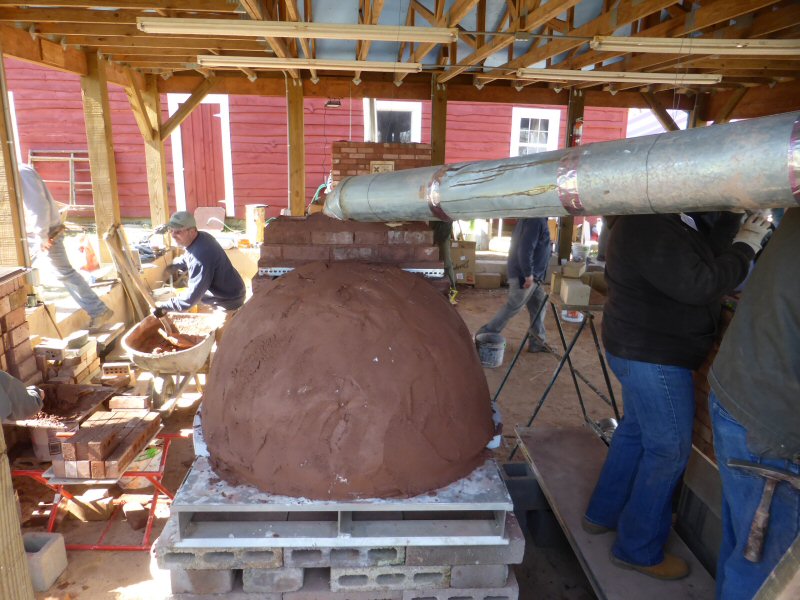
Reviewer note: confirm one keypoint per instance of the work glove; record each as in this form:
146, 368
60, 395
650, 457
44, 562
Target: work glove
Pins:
159, 312
752, 232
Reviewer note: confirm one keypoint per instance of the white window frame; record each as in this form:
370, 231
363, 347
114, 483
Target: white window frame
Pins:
174, 101
415, 108
553, 115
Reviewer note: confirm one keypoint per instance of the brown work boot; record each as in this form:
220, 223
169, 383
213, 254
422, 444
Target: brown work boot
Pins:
672, 567
593, 528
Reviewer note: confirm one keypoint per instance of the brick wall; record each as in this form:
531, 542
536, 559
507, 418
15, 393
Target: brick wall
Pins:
294, 241
353, 158
16, 353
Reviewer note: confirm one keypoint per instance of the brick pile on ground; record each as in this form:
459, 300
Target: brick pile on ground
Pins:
290, 242
239, 572
16, 353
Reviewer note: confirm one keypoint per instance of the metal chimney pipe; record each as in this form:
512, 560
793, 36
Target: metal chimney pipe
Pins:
753, 164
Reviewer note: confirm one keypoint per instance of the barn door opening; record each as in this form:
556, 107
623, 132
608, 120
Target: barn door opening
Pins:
201, 155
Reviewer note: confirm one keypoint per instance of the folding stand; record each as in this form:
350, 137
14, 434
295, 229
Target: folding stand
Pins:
588, 317
58, 485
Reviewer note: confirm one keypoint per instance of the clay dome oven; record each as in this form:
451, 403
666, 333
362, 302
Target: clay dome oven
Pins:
346, 380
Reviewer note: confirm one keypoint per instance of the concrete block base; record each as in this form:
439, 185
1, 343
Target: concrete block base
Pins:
272, 580
201, 581
510, 591
47, 558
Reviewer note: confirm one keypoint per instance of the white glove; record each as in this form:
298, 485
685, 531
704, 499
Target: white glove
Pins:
752, 232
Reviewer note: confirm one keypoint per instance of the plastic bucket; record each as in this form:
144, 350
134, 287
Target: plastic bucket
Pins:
491, 347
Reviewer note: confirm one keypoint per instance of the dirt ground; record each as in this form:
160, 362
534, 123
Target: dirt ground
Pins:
549, 571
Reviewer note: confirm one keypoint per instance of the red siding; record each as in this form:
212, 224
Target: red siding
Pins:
258, 135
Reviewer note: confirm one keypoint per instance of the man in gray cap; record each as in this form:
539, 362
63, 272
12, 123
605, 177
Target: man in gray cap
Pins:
212, 278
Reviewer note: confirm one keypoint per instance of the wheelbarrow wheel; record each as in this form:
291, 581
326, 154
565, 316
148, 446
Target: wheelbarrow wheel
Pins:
163, 389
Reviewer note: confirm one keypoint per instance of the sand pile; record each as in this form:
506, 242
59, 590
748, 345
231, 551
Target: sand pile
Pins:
346, 380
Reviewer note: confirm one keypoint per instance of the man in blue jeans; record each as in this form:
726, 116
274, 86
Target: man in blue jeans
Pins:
527, 263
43, 222
755, 412
666, 277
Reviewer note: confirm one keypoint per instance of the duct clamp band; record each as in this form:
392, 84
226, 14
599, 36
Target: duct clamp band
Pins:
567, 182
433, 196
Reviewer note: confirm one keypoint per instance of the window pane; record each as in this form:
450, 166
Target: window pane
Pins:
394, 126
525, 124
544, 125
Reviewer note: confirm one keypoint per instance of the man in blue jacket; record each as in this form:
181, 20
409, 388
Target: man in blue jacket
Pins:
212, 278
527, 264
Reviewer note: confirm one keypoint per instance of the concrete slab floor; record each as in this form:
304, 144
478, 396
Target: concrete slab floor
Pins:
549, 570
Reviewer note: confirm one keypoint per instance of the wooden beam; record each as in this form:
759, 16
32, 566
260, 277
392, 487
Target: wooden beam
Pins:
12, 231
293, 14
297, 168
196, 97
660, 113
219, 6
536, 18
19, 44
724, 114
566, 225
139, 112
438, 121
699, 108
625, 12
155, 155
253, 8
100, 143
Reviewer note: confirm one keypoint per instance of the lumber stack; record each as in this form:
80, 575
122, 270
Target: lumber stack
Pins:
16, 354
106, 444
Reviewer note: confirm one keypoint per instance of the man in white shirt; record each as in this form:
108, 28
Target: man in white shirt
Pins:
43, 222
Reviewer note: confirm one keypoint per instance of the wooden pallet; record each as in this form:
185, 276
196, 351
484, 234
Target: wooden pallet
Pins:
106, 444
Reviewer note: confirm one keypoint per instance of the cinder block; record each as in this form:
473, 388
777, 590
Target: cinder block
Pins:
478, 576
506, 554
523, 487
220, 557
343, 557
284, 579
201, 581
316, 586
510, 591
390, 578
47, 558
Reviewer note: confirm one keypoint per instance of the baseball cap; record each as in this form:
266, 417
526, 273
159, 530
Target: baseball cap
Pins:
182, 219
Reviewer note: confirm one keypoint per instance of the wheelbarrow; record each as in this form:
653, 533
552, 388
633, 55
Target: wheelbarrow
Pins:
172, 370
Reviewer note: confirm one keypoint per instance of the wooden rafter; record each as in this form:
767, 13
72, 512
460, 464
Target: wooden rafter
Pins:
293, 14
626, 11
536, 18
200, 92
253, 8
277, 44
371, 14
216, 6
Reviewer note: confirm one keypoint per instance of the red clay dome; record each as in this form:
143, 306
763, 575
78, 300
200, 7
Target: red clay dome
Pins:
343, 381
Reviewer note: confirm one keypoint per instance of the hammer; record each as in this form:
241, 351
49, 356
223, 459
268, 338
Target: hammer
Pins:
773, 476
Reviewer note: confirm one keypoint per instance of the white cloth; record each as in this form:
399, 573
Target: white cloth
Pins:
41, 211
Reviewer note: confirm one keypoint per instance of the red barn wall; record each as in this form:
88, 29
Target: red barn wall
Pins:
50, 117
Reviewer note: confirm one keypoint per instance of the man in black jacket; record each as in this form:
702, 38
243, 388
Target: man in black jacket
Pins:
666, 277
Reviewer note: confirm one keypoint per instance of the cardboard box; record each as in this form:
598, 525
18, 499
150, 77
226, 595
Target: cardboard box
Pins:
488, 281
573, 270
574, 292
463, 257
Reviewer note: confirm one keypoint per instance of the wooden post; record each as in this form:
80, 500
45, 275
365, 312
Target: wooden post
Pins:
155, 156
659, 112
438, 121
297, 167
97, 115
566, 225
12, 237
15, 582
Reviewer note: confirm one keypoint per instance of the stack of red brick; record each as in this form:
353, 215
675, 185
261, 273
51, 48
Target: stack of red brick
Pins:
357, 158
295, 241
16, 354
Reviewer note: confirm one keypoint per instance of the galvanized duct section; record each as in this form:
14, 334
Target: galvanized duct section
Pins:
752, 164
